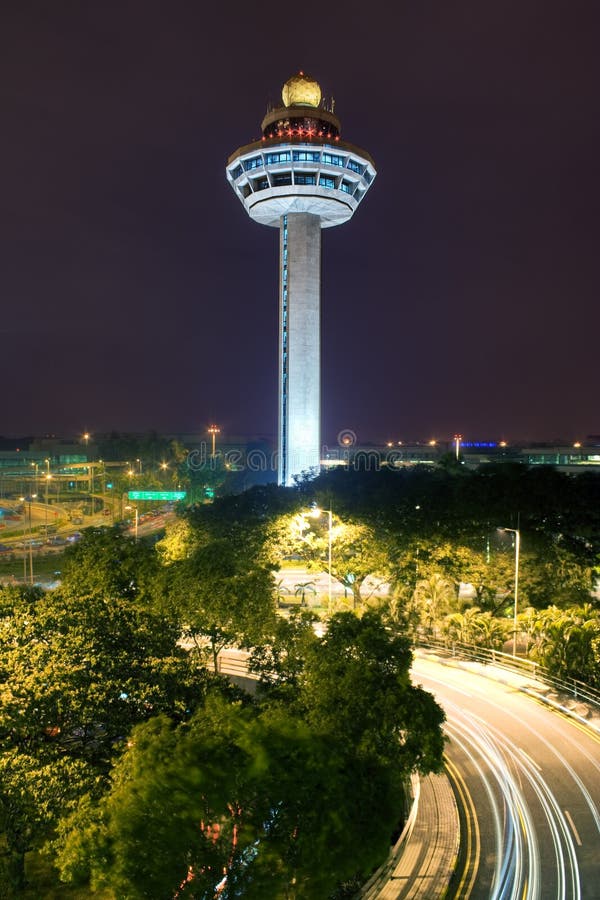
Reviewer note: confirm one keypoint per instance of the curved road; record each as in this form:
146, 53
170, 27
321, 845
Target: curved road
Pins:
527, 780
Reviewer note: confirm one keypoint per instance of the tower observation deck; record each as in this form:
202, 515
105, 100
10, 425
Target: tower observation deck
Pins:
300, 177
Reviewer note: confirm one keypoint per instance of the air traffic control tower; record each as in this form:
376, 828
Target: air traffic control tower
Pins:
300, 177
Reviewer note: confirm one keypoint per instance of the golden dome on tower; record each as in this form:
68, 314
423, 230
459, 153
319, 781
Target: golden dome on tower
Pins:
301, 90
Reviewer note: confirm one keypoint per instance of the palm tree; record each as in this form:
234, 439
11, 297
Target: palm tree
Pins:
281, 590
303, 588
490, 631
462, 627
432, 598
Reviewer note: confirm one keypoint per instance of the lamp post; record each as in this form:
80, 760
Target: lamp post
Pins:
214, 430
457, 440
48, 477
136, 520
28, 500
35, 478
316, 512
517, 535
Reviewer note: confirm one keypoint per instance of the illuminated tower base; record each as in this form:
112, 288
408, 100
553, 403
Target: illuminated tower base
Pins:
300, 177
299, 346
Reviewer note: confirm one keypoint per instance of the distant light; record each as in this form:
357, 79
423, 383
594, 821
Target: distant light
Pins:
432, 443
577, 444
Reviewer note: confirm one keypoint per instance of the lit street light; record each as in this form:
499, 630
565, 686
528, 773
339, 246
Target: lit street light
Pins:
28, 500
136, 520
213, 430
517, 535
315, 513
48, 477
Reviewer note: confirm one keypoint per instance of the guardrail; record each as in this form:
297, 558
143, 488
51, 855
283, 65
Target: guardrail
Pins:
578, 689
382, 875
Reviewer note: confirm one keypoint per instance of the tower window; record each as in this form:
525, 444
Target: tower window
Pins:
346, 186
327, 182
254, 163
331, 160
306, 156
279, 180
355, 167
236, 172
301, 178
261, 184
273, 158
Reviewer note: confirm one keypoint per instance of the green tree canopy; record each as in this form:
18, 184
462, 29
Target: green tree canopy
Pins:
289, 795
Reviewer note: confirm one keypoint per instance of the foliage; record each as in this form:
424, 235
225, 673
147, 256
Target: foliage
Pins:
222, 598
75, 675
35, 790
299, 788
472, 626
567, 642
432, 599
108, 563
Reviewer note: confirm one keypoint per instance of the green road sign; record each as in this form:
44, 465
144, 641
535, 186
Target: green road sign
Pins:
156, 495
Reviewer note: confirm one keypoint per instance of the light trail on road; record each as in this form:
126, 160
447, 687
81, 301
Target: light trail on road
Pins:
532, 775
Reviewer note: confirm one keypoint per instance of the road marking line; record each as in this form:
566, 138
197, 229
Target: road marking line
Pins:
473, 848
573, 829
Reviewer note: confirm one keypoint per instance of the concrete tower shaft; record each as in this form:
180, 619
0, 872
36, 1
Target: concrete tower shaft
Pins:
299, 346
300, 177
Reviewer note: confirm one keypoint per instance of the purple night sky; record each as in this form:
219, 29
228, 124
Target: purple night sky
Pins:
135, 293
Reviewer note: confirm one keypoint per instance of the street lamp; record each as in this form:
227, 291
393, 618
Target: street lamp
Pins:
28, 500
136, 520
315, 513
35, 480
213, 430
517, 535
457, 440
48, 477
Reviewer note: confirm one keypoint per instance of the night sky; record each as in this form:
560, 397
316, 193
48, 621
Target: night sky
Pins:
136, 294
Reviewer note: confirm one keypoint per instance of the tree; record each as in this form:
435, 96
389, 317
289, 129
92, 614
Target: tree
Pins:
35, 791
75, 675
285, 796
432, 598
462, 627
179, 542
108, 563
303, 588
356, 684
358, 553
222, 598
82, 671
567, 642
